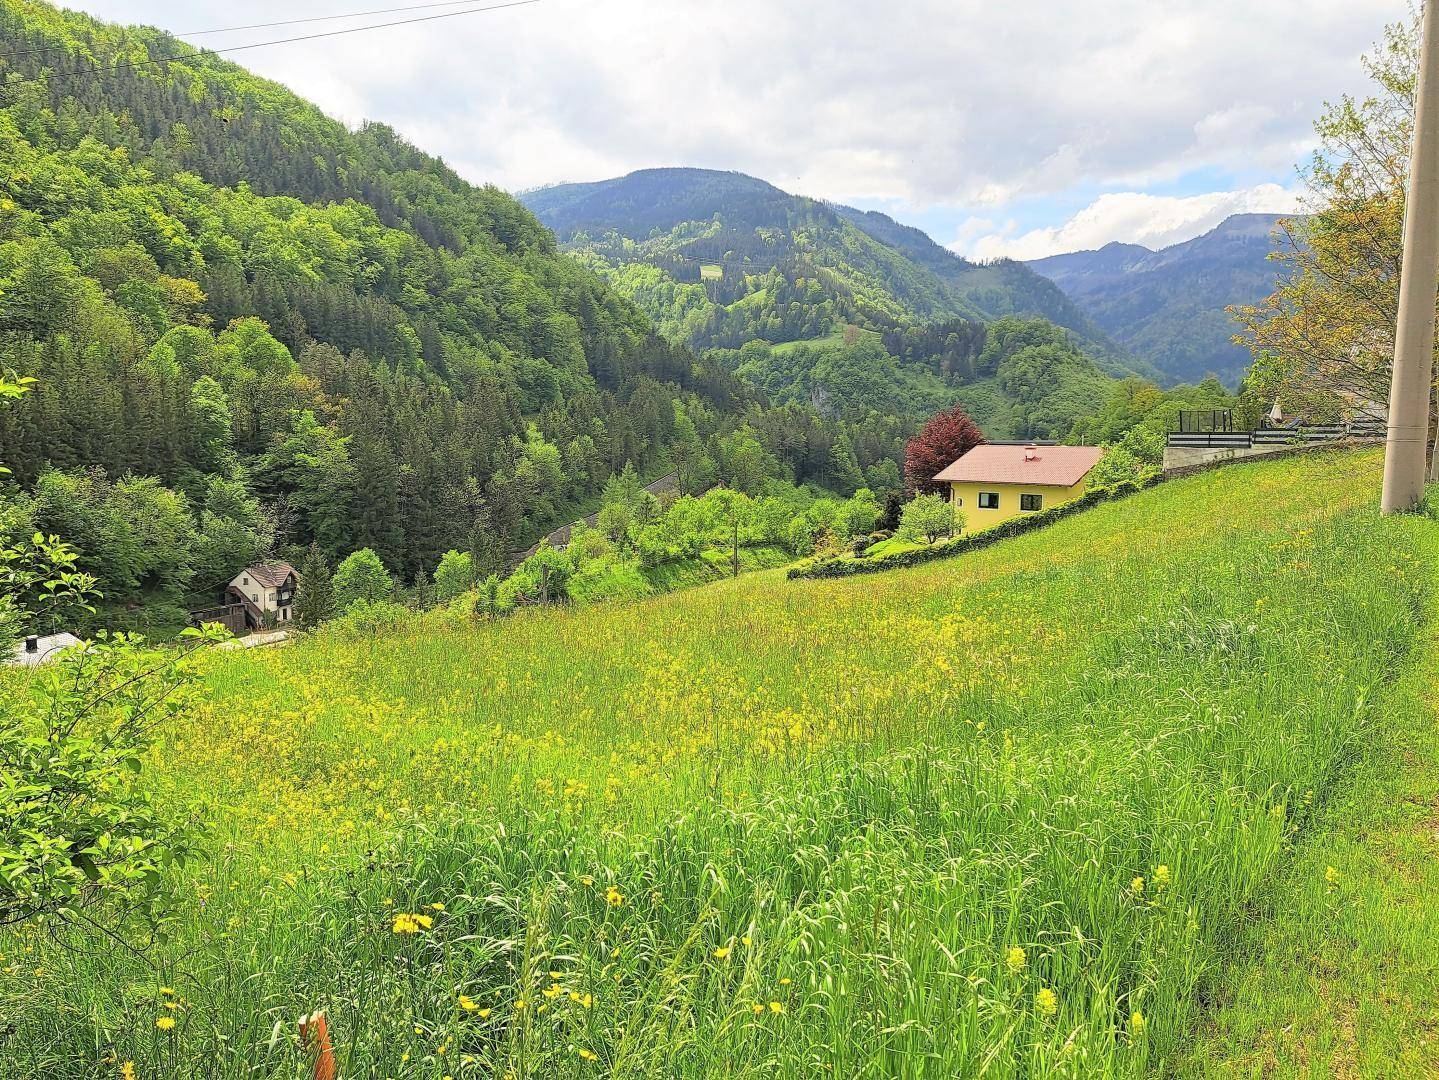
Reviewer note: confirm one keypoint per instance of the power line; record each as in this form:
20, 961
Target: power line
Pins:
268, 25
302, 37
326, 18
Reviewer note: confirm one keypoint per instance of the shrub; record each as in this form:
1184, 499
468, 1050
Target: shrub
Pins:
369, 618
77, 827
362, 576
607, 578
929, 516
453, 576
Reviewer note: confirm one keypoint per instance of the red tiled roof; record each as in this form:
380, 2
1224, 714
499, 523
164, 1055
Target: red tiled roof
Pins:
1050, 466
270, 575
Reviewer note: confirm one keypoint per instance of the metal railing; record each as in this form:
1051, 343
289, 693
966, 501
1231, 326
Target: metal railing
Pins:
1299, 435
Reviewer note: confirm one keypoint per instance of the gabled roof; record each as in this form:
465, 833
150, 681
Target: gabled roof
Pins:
1046, 466
271, 575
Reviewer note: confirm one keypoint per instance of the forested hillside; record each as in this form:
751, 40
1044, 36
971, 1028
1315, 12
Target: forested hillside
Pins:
253, 329
1170, 306
720, 259
836, 309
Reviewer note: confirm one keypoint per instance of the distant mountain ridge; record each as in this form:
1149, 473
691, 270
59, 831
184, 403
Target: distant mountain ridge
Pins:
720, 258
1168, 306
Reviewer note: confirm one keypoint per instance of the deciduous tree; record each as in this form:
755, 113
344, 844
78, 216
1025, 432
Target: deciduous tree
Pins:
945, 437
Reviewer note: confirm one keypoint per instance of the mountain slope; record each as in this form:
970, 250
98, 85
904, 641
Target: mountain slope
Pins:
721, 258
1169, 305
212, 280
996, 289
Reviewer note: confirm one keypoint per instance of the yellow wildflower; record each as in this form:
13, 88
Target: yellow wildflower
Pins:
127, 1071
776, 1007
1136, 1021
468, 1004
1331, 874
722, 952
588, 1055
614, 897
1137, 886
1015, 959
165, 1023
1046, 1002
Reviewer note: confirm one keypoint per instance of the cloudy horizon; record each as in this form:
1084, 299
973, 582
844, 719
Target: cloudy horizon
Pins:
1021, 132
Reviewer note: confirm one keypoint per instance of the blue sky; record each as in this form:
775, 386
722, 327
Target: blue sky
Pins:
1019, 129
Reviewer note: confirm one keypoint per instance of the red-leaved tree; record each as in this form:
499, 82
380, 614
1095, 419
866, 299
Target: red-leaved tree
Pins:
945, 436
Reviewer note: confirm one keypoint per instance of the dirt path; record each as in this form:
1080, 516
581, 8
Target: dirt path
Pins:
1340, 977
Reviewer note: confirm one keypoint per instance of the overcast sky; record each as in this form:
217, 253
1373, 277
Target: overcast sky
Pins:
1002, 127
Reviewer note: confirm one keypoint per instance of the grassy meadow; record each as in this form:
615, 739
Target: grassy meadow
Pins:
1005, 814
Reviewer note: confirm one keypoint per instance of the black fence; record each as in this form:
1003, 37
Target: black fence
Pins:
1205, 421
1278, 436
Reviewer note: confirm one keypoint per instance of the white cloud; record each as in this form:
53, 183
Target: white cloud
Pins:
1130, 217
930, 103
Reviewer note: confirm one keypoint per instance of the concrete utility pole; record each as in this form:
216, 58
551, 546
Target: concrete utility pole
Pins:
1404, 457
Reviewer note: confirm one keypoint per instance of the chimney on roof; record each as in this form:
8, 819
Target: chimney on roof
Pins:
1031, 453
32, 643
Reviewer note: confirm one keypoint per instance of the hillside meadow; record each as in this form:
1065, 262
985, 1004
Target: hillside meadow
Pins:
999, 815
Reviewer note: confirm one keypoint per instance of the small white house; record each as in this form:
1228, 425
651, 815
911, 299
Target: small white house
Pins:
40, 649
267, 592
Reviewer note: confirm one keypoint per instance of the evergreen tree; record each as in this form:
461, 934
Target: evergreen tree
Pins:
315, 594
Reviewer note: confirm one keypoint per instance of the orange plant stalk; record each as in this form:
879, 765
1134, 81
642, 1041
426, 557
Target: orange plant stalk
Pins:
315, 1038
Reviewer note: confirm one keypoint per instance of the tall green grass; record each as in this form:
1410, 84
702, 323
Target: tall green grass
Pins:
996, 816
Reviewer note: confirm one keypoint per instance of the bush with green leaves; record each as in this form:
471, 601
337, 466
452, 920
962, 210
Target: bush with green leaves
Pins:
368, 618
77, 827
361, 576
38, 582
610, 577
929, 517
454, 576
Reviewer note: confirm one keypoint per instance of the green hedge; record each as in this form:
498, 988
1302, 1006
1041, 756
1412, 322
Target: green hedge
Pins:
844, 567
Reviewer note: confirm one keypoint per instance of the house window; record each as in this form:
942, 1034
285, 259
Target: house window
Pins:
989, 500
1031, 502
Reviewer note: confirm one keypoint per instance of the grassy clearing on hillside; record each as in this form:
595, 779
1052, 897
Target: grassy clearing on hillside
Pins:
848, 334
1001, 813
1341, 981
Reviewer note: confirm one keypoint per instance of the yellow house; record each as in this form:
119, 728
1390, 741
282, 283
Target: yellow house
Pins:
997, 481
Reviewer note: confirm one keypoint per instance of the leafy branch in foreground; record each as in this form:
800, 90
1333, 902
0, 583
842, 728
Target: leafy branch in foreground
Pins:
76, 825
